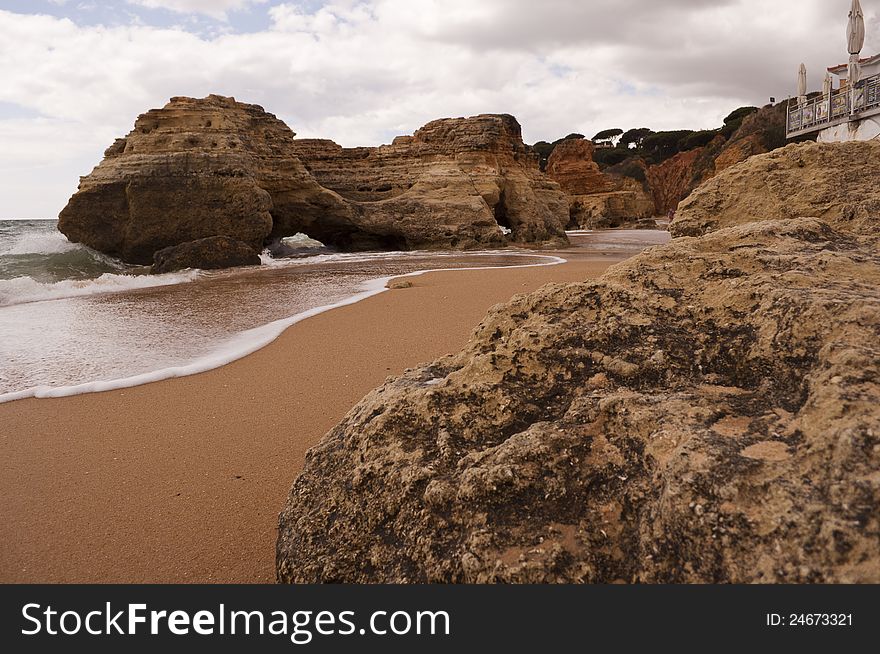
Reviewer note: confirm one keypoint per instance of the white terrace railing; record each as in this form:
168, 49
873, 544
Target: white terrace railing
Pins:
842, 106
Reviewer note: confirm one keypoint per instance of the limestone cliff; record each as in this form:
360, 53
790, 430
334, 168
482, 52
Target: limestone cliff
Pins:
597, 199
833, 182
760, 132
571, 165
199, 168
671, 180
639, 188
675, 179
455, 182
708, 411
191, 170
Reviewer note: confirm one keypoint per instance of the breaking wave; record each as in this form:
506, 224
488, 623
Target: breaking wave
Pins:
21, 290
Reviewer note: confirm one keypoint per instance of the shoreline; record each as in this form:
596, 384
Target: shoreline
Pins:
181, 480
251, 340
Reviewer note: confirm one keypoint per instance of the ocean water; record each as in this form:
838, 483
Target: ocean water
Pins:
74, 320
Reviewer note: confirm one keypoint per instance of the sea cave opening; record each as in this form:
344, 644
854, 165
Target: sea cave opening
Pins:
314, 239
573, 218
501, 217
296, 245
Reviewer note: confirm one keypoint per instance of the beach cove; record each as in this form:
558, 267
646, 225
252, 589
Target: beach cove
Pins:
181, 480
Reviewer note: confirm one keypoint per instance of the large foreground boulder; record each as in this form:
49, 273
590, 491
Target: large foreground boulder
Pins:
708, 411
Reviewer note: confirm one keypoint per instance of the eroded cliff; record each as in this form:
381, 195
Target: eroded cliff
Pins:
200, 168
598, 199
458, 182
835, 182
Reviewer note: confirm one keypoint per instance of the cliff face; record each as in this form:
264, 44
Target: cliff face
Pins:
454, 182
194, 169
808, 179
634, 191
675, 179
596, 199
708, 411
571, 165
216, 167
737, 151
670, 181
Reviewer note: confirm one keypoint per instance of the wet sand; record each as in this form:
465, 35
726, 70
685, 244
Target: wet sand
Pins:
182, 480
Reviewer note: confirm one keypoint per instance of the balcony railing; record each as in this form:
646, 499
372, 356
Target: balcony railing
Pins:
843, 105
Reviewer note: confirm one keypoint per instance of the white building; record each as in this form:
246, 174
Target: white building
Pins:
851, 112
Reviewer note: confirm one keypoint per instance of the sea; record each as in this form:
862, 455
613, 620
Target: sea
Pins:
74, 320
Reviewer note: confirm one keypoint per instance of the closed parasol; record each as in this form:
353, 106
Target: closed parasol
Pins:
802, 83
855, 39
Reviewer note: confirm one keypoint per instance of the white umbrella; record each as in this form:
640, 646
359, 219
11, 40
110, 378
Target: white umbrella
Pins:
828, 84
855, 41
855, 29
802, 84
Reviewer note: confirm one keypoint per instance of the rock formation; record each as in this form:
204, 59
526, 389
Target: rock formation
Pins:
206, 253
194, 169
798, 180
571, 165
217, 167
760, 132
596, 199
708, 411
675, 179
671, 180
632, 192
455, 182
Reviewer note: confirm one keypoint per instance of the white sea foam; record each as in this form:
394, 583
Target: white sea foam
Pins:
359, 257
21, 290
301, 240
38, 242
248, 341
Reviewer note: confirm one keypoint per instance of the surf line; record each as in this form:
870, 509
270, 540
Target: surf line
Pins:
256, 338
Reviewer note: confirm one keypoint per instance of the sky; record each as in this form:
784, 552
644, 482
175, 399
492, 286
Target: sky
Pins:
76, 73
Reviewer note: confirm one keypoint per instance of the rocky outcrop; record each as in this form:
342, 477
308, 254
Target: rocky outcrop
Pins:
760, 132
194, 169
629, 206
458, 182
571, 165
675, 179
738, 151
708, 411
671, 180
205, 253
216, 167
833, 182
596, 199
661, 185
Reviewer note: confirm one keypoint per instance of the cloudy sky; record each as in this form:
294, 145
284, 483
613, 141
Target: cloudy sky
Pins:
76, 73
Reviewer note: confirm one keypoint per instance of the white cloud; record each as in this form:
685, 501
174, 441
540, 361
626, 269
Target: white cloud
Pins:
215, 8
361, 72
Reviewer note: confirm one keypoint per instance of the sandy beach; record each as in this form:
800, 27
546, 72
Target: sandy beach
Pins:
182, 480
